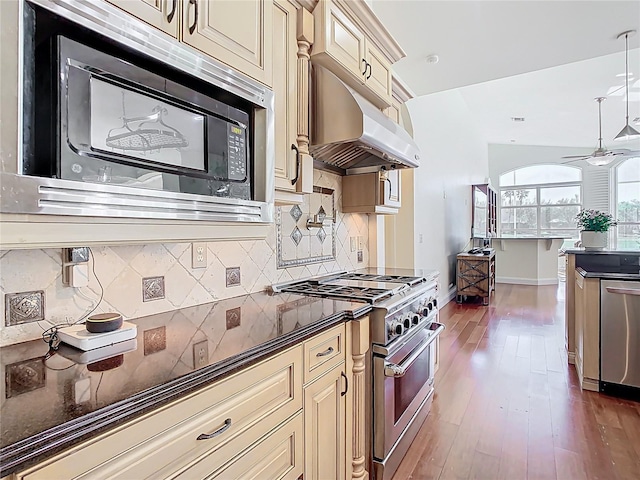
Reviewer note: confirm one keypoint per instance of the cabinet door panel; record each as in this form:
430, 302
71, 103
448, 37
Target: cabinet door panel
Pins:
285, 91
277, 456
238, 33
162, 14
345, 42
325, 427
378, 76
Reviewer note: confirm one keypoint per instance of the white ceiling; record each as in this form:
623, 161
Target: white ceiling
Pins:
542, 60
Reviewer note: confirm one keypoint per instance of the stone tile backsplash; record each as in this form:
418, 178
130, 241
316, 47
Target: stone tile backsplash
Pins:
120, 270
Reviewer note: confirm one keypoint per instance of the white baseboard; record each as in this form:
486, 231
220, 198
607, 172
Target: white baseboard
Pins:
527, 281
450, 295
571, 356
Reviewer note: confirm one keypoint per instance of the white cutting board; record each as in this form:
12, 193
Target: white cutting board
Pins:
78, 336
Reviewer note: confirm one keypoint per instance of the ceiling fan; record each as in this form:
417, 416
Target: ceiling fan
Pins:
601, 155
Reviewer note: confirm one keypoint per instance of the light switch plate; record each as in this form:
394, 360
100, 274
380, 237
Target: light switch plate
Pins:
360, 242
360, 259
199, 255
352, 243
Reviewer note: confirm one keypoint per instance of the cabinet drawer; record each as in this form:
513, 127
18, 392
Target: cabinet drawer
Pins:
323, 352
165, 441
276, 456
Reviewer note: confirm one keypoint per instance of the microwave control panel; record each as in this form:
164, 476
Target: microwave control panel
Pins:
237, 166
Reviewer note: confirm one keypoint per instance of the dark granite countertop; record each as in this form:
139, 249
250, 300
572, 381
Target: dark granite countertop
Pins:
51, 402
608, 275
582, 250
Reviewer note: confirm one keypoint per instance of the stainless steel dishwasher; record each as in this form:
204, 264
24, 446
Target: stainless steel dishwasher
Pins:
620, 337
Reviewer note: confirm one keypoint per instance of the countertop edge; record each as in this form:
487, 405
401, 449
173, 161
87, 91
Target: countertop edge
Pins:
607, 275
35, 449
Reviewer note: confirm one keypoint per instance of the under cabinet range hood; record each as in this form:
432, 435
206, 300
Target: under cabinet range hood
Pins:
353, 136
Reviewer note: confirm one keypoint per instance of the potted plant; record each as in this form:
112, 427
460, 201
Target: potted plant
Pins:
593, 225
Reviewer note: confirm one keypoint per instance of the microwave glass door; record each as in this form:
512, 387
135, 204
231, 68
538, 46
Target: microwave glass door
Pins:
133, 124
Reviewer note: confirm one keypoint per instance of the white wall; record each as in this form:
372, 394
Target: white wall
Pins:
504, 158
454, 156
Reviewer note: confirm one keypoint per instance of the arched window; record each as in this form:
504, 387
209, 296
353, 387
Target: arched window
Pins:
540, 201
628, 204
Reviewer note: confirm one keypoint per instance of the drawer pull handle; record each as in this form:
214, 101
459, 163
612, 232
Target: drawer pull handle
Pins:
328, 351
222, 429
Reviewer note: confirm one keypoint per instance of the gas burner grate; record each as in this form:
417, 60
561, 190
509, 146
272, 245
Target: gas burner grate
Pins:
382, 278
369, 295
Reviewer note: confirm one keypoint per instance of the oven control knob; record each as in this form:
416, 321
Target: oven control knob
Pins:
407, 323
430, 305
425, 311
398, 328
415, 319
435, 302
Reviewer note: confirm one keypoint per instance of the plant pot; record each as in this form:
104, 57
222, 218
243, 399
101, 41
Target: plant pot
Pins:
593, 240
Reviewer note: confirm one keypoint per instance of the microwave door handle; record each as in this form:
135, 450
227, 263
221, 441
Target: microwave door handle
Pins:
395, 370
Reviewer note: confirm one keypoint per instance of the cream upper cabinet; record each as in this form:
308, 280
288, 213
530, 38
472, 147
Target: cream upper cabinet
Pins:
324, 420
351, 54
377, 192
285, 90
378, 75
238, 33
162, 14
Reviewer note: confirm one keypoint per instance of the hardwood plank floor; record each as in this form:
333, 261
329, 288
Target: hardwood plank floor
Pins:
508, 405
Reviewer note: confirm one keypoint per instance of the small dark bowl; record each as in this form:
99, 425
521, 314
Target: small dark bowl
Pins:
104, 322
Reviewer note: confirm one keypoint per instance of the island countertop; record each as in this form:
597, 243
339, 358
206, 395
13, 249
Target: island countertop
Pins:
55, 399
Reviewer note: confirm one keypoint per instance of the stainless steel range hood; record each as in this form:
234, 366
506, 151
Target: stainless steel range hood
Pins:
351, 134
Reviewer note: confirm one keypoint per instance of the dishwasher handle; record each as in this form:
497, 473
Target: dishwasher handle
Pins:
624, 291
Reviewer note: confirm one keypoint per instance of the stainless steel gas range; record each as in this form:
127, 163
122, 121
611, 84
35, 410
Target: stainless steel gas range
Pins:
404, 327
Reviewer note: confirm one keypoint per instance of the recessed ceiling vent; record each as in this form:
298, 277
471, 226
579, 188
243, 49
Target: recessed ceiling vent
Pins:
517, 119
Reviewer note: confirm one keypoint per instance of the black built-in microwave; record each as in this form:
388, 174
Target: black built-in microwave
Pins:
104, 115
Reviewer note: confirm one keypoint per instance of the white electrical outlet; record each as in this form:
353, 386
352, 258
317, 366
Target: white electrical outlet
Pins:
352, 243
199, 255
419, 238
201, 354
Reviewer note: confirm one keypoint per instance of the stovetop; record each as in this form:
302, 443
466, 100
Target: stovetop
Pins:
383, 278
367, 294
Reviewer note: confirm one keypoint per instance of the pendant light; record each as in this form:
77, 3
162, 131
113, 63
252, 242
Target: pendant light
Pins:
628, 132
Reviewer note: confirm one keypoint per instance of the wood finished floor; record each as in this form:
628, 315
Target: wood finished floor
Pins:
508, 405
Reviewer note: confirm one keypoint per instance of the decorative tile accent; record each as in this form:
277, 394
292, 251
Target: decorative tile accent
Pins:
233, 276
317, 205
233, 317
296, 235
321, 234
25, 376
295, 212
24, 307
152, 288
155, 340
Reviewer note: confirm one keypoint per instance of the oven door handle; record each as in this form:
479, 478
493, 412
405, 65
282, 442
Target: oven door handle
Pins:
395, 370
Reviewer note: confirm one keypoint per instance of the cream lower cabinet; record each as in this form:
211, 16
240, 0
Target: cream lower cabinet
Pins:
246, 426
587, 331
301, 412
325, 426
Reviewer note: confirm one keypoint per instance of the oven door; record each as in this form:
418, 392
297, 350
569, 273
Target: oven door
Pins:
402, 381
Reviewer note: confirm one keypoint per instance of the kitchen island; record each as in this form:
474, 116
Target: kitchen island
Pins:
586, 272
527, 260
57, 399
